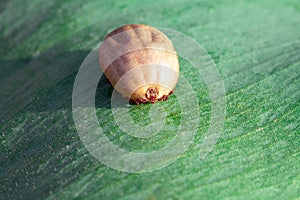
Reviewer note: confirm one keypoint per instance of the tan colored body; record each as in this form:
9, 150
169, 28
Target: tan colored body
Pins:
140, 62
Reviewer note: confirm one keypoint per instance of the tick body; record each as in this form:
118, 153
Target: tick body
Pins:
140, 62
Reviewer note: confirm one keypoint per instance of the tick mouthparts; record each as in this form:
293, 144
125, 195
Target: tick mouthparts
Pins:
152, 100
151, 94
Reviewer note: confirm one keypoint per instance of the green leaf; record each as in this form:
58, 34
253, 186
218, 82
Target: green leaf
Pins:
255, 45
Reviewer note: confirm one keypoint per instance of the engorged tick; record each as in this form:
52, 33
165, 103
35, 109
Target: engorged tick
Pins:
140, 62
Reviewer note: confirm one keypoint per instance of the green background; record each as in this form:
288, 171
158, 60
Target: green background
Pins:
256, 47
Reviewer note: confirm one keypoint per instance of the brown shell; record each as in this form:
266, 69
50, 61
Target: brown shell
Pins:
140, 62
